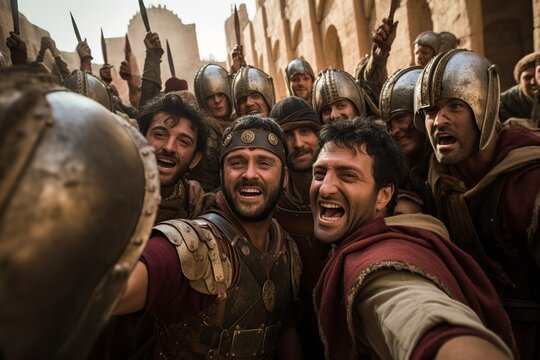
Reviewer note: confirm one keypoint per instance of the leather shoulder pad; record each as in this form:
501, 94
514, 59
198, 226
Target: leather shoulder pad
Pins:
208, 269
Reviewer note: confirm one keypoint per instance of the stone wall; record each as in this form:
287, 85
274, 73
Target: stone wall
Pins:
336, 32
182, 39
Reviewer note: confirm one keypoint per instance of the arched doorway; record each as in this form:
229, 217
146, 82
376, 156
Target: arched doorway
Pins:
508, 35
332, 48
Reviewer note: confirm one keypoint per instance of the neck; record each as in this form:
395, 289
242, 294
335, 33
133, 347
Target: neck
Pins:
474, 168
167, 190
257, 231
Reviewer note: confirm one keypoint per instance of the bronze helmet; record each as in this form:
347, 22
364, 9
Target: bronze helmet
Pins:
332, 85
212, 79
431, 39
298, 66
397, 93
90, 86
249, 79
79, 190
464, 75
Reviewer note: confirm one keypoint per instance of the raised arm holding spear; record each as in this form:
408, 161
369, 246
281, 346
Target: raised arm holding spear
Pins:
237, 54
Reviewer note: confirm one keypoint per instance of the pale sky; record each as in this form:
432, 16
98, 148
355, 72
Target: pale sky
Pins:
114, 15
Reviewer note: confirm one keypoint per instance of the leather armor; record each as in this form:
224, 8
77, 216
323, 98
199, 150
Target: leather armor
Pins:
239, 323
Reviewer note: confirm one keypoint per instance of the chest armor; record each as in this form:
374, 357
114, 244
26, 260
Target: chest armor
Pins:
244, 318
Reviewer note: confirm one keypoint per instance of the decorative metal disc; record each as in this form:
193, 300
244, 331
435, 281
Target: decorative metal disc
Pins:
272, 139
247, 137
269, 295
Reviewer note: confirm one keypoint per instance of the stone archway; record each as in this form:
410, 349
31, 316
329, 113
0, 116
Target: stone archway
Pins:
297, 38
504, 46
332, 50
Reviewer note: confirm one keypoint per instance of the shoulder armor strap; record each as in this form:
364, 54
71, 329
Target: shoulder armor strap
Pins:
294, 257
208, 270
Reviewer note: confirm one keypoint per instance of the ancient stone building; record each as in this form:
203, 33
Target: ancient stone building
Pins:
182, 40
337, 32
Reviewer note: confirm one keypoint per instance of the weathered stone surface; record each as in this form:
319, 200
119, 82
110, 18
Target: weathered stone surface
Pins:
182, 39
337, 32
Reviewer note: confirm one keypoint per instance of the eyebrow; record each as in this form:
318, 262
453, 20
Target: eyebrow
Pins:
339, 168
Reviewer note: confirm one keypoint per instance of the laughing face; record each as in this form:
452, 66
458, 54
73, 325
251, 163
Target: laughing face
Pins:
253, 104
174, 145
452, 131
343, 192
342, 109
253, 179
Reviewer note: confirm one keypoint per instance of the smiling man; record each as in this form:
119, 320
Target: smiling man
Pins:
486, 182
395, 287
178, 134
224, 283
396, 104
518, 100
253, 92
300, 78
301, 126
337, 96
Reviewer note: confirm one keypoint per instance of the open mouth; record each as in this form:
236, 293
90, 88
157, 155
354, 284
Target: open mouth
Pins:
253, 112
446, 140
250, 192
165, 162
330, 211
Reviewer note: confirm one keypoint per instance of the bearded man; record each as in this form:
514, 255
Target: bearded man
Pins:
224, 283
301, 126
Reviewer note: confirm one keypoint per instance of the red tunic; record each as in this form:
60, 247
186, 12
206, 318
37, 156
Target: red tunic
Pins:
377, 246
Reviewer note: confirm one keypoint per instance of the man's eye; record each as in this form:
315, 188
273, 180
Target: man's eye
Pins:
318, 175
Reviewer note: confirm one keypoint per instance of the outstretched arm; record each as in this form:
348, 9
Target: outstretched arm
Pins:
134, 297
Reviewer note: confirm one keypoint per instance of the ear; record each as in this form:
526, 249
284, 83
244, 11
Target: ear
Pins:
383, 197
285, 179
195, 160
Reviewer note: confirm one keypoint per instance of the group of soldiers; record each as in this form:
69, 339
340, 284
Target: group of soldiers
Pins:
362, 216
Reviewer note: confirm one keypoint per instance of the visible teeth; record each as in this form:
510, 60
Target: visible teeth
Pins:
330, 218
167, 161
331, 206
250, 191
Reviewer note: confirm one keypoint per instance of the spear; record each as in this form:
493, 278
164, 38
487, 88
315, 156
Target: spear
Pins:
15, 16
144, 16
127, 48
104, 48
170, 59
75, 28
394, 4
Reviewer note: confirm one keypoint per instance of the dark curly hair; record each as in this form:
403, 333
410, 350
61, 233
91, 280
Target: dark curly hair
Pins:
174, 105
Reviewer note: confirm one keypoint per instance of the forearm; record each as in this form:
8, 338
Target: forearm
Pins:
62, 67
470, 347
134, 90
398, 310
